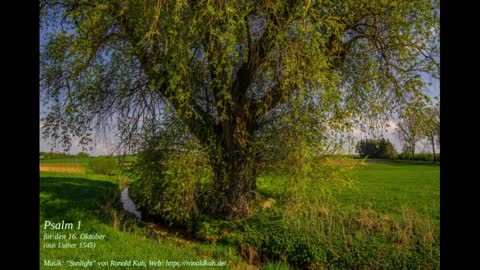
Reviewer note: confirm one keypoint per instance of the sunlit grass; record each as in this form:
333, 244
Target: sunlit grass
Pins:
63, 168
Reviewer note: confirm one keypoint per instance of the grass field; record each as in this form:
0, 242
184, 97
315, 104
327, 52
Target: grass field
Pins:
389, 219
74, 198
76, 165
383, 186
390, 186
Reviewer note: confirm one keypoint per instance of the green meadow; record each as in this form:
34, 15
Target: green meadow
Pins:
391, 211
390, 186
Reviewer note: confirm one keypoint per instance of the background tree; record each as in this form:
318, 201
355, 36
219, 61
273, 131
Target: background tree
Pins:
228, 69
376, 148
410, 131
431, 126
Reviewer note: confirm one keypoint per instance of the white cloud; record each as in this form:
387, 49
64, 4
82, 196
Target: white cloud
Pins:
104, 148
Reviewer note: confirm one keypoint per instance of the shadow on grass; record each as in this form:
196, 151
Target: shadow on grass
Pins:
75, 198
72, 197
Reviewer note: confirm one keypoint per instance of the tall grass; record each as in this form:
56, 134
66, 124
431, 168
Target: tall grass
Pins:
105, 166
344, 239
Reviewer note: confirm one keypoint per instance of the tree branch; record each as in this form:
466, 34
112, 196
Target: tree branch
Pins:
148, 60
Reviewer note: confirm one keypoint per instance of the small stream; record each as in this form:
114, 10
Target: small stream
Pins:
128, 204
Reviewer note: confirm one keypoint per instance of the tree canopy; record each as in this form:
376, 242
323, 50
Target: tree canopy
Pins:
229, 69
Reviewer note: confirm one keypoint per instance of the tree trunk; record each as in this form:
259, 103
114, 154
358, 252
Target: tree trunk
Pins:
242, 187
432, 138
235, 184
235, 169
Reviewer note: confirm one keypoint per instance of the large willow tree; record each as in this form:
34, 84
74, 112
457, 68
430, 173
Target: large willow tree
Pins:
226, 67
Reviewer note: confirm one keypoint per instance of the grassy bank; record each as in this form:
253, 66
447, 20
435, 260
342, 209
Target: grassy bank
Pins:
86, 198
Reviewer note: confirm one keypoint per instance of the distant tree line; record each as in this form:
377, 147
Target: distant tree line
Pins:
384, 149
376, 148
59, 155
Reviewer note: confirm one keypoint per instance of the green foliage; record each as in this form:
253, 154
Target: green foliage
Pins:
169, 180
172, 190
300, 147
207, 232
376, 148
213, 230
105, 166
271, 238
